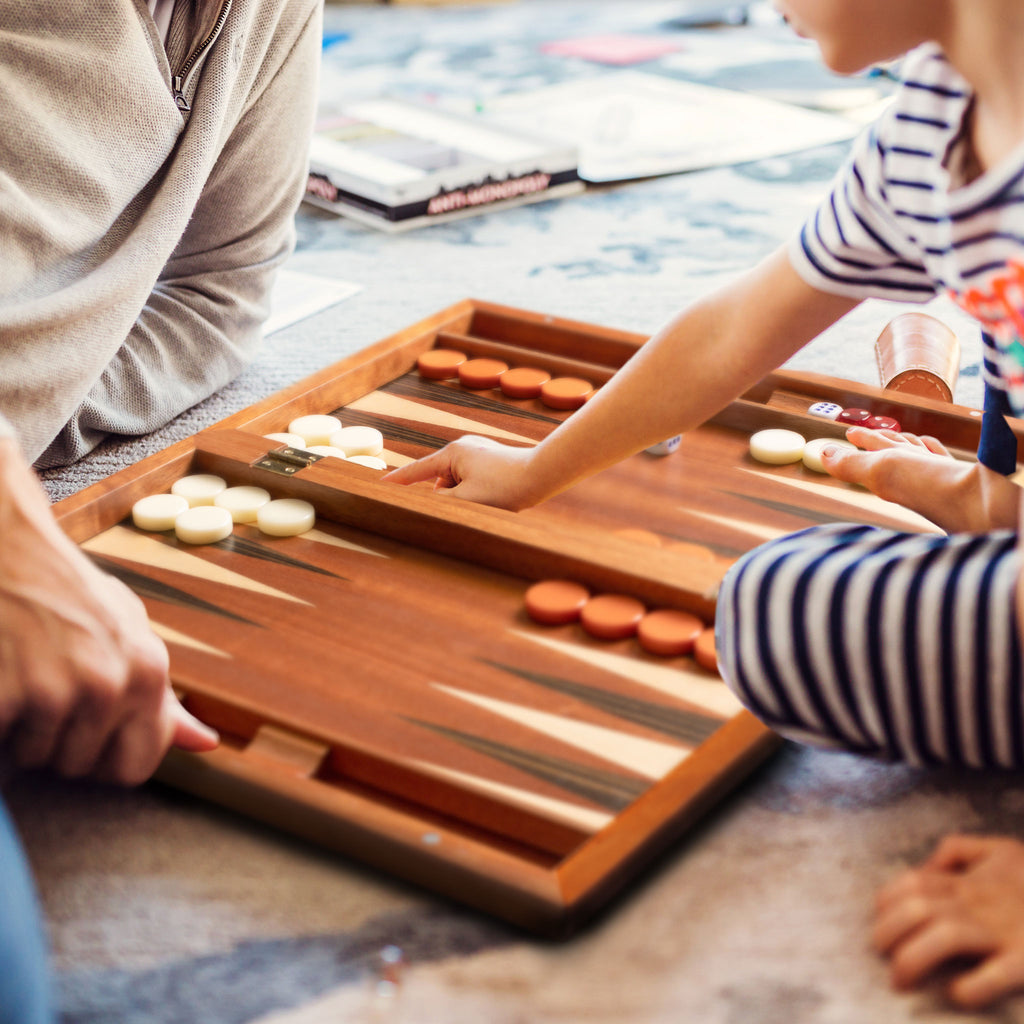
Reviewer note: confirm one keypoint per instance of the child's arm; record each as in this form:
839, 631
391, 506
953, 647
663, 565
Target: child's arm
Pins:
698, 363
963, 909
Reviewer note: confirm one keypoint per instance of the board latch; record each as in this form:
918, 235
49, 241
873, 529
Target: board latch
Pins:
286, 461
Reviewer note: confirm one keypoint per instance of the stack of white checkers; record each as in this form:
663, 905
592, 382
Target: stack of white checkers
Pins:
202, 509
324, 435
778, 447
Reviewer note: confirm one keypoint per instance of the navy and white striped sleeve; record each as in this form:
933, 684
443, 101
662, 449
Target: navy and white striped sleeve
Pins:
882, 230
853, 244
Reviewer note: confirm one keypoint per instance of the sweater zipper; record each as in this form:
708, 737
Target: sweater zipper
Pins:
181, 80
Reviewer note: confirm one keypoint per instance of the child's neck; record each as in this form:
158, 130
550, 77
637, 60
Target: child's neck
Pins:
986, 45
992, 138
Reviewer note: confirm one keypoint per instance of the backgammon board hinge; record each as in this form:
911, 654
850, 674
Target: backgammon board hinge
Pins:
286, 461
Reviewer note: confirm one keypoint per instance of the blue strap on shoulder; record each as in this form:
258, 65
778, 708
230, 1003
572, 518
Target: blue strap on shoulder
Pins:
997, 448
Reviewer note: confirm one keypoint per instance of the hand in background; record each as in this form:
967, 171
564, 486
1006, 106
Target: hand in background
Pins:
920, 474
84, 686
962, 911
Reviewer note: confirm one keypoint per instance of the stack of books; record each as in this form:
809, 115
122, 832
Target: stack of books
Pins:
396, 165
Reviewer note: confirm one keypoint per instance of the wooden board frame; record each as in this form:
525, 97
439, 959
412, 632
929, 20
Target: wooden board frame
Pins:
275, 774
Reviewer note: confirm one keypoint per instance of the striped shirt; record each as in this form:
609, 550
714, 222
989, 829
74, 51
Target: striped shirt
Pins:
902, 223
898, 645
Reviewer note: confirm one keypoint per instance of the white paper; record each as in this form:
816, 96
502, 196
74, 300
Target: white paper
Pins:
297, 295
632, 125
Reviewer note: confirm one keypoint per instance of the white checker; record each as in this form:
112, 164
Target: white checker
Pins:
315, 429
242, 502
326, 449
358, 440
292, 440
286, 517
203, 524
369, 460
199, 489
826, 410
777, 447
813, 449
157, 512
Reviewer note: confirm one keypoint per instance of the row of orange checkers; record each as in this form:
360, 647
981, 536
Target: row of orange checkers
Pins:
483, 373
668, 632
519, 382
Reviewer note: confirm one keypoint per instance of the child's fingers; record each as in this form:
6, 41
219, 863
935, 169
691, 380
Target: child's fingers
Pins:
921, 885
934, 445
444, 466
932, 945
898, 920
873, 440
430, 467
895, 471
964, 902
995, 977
957, 852
879, 440
851, 465
839, 458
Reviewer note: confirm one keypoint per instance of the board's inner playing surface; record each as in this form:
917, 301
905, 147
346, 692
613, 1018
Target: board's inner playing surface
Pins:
387, 654
413, 671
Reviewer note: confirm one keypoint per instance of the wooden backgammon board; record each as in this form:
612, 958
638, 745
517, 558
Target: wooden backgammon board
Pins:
376, 682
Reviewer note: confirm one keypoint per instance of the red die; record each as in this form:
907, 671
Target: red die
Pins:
883, 423
855, 417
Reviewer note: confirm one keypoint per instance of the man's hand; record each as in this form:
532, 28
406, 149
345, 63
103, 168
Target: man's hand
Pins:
920, 474
962, 910
84, 684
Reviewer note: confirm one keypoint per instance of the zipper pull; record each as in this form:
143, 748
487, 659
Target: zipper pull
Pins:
179, 97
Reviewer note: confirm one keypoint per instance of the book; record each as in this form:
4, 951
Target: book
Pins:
396, 165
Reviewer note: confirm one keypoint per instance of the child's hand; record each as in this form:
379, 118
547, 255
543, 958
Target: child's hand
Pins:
962, 910
474, 468
920, 474
884, 440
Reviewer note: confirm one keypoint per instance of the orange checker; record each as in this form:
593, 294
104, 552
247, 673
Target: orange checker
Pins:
704, 650
669, 632
481, 373
566, 392
523, 381
555, 602
612, 616
440, 363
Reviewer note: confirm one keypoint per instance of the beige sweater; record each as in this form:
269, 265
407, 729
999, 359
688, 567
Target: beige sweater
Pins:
138, 242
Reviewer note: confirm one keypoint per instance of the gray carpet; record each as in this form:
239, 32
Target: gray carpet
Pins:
164, 909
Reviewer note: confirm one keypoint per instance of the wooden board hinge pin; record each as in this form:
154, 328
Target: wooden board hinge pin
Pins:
287, 461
